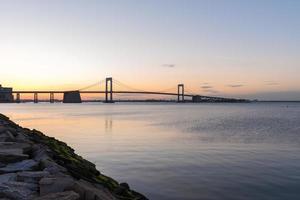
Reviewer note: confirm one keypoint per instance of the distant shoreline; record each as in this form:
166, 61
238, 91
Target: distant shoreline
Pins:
163, 101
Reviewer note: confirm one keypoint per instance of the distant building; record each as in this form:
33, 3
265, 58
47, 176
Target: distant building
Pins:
6, 95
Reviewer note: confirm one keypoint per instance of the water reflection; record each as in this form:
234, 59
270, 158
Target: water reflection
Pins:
171, 151
108, 124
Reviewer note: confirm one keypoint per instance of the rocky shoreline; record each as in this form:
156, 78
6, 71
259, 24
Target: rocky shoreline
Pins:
35, 166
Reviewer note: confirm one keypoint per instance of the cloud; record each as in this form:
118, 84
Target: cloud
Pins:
206, 87
211, 91
169, 65
271, 83
235, 85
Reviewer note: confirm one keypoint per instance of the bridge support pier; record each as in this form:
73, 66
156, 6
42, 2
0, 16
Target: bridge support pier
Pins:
18, 99
180, 93
108, 85
51, 97
35, 100
72, 97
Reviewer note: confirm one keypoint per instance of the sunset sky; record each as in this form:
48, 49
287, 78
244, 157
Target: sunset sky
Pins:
215, 47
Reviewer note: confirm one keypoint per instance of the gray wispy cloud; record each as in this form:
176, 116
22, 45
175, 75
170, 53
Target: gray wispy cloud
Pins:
169, 65
271, 83
211, 91
206, 87
235, 85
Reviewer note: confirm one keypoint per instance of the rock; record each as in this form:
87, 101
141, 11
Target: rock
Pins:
88, 191
50, 166
20, 137
12, 155
25, 165
120, 191
16, 184
40, 152
31, 176
4, 123
12, 130
125, 185
18, 190
13, 145
3, 117
3, 129
8, 177
43, 154
55, 184
13, 151
67, 195
6, 137
2, 164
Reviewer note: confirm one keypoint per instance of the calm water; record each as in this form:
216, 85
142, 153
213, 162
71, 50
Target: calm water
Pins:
182, 151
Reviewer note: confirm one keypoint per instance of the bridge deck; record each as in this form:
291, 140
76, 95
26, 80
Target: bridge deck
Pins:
114, 92
98, 92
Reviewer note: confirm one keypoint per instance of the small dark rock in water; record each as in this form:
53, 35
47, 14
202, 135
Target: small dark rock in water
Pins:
125, 185
34, 166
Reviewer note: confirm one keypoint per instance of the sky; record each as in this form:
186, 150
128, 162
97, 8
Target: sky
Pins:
227, 48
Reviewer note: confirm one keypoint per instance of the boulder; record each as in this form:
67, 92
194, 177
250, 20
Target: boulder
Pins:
6, 136
88, 191
13, 145
7, 177
53, 168
25, 165
2, 129
12, 155
31, 176
17, 184
55, 184
12, 151
67, 195
40, 152
20, 137
18, 190
125, 185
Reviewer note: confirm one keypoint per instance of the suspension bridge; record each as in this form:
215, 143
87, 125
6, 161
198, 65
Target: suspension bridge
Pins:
74, 96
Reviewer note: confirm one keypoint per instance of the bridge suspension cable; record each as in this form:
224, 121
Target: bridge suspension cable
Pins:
169, 89
127, 86
92, 85
187, 91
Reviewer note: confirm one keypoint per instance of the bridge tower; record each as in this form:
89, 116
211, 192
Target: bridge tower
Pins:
180, 94
109, 90
51, 97
35, 100
18, 98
